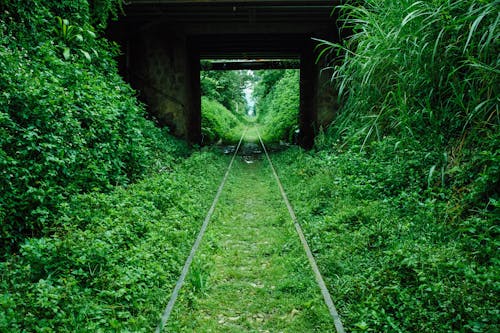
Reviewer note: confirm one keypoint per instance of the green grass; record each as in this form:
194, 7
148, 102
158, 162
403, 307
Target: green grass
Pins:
418, 69
113, 259
397, 259
251, 273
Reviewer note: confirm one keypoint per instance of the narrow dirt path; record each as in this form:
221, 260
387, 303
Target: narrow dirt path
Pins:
251, 274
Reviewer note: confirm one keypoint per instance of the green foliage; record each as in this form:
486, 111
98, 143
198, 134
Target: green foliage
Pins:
225, 87
278, 98
424, 69
277, 104
114, 258
68, 122
409, 172
103, 10
394, 253
266, 80
223, 107
426, 72
218, 123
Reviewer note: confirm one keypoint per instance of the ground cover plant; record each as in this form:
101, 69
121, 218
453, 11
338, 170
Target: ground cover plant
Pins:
113, 259
391, 255
68, 122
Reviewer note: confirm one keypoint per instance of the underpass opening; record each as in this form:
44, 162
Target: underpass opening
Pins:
240, 93
163, 41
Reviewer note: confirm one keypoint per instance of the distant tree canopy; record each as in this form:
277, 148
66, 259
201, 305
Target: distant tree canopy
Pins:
226, 87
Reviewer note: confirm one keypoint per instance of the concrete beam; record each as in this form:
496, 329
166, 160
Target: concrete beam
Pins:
249, 64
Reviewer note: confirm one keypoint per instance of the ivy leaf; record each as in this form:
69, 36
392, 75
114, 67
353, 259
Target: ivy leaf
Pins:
86, 54
66, 53
91, 33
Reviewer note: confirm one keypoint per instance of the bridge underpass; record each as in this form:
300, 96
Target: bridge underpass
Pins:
163, 42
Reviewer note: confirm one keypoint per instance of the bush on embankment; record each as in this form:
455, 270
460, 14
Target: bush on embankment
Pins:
278, 97
427, 74
223, 106
218, 123
68, 122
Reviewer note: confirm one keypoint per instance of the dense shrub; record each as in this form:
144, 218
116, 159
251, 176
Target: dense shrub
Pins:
278, 100
113, 259
68, 122
218, 123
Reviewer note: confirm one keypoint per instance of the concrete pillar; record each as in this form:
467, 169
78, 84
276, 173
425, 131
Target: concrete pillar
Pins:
158, 66
308, 87
326, 98
193, 100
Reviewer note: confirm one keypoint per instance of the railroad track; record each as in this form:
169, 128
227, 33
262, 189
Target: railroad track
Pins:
319, 279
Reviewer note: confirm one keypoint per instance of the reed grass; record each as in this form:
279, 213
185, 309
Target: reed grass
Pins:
425, 69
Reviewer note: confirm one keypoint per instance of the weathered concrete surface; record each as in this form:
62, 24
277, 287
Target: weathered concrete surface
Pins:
158, 69
326, 96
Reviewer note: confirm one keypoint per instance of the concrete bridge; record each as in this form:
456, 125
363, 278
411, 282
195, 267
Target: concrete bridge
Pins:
163, 42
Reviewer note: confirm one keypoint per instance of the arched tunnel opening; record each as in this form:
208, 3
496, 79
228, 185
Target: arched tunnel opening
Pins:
164, 42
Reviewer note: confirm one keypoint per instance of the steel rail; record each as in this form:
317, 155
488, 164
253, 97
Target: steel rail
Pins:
189, 260
319, 278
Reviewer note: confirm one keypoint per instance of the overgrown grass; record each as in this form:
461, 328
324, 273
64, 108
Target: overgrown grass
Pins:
426, 73
419, 69
395, 255
113, 258
251, 273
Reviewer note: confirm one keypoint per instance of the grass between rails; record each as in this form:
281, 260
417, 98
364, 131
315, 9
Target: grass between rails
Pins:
251, 273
